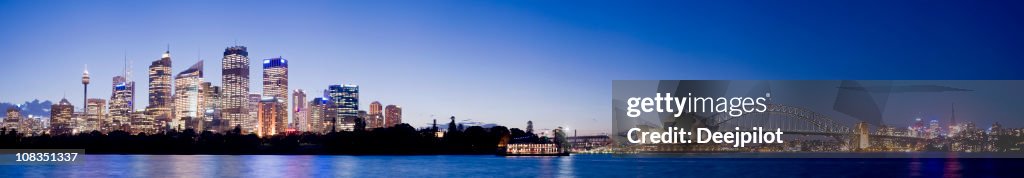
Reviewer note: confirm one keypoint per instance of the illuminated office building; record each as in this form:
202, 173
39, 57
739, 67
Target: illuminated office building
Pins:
393, 115
211, 106
300, 113
160, 89
188, 98
345, 98
319, 115
249, 123
272, 117
142, 123
235, 77
95, 114
375, 118
60, 117
121, 102
13, 119
275, 79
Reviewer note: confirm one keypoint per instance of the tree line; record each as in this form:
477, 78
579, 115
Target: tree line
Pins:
401, 139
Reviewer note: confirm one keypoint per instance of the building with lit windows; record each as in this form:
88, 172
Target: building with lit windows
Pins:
211, 106
142, 123
249, 123
13, 119
393, 115
275, 79
188, 97
300, 113
320, 115
60, 118
121, 102
95, 114
235, 78
272, 117
160, 89
375, 117
345, 98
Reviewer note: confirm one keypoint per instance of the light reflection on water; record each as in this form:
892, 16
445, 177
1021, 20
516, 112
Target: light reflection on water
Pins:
491, 166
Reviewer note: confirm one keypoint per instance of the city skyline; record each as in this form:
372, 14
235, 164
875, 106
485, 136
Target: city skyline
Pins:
506, 54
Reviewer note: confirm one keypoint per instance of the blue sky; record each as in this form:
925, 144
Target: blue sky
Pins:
507, 62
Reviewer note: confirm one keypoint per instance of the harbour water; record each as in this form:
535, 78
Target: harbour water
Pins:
491, 166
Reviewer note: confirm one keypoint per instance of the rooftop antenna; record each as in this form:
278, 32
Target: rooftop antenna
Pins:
124, 71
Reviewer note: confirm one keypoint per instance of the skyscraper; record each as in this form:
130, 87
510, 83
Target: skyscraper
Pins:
275, 78
13, 119
211, 105
188, 98
346, 99
300, 114
249, 123
60, 117
121, 101
235, 77
318, 115
272, 116
160, 99
374, 118
346, 103
393, 115
95, 112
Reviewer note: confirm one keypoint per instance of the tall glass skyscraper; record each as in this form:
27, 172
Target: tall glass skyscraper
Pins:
275, 81
159, 106
188, 97
121, 101
346, 102
346, 99
235, 77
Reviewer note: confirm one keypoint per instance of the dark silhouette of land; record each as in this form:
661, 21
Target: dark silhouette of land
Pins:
402, 139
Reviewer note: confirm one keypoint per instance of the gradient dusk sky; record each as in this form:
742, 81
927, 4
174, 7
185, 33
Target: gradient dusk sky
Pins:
506, 62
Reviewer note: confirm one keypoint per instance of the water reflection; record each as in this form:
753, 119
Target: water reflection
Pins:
496, 166
952, 168
565, 168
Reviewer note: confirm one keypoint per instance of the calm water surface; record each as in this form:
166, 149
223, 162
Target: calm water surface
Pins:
490, 166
